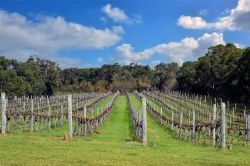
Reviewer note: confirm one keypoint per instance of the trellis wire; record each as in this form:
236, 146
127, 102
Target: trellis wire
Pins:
207, 125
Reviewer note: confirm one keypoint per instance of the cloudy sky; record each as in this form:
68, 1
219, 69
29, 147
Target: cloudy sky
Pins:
92, 33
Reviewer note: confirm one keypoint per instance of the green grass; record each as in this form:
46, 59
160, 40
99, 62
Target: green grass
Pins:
157, 107
113, 145
136, 103
101, 106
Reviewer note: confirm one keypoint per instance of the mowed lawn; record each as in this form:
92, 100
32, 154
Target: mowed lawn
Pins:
113, 145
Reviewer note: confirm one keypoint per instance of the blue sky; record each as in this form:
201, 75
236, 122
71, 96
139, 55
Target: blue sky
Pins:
92, 33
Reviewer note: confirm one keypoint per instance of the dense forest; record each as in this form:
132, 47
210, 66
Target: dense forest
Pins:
224, 71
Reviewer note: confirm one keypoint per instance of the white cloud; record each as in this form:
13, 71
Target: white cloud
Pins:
21, 37
125, 54
118, 29
118, 15
115, 13
239, 45
176, 51
192, 22
206, 41
237, 19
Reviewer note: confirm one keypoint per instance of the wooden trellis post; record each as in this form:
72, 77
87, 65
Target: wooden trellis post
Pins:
32, 115
61, 117
3, 111
248, 128
24, 119
84, 116
48, 113
233, 117
214, 120
172, 118
181, 121
161, 114
223, 125
144, 121
70, 133
189, 116
244, 114
193, 135
38, 106
84, 111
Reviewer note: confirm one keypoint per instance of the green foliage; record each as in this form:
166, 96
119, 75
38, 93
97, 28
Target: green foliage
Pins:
108, 77
243, 73
186, 76
223, 71
214, 71
34, 77
13, 84
36, 83
44, 77
165, 75
50, 74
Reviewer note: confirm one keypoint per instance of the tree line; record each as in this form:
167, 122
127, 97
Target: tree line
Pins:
223, 71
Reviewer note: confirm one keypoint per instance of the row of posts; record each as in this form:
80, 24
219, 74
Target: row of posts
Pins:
223, 125
3, 104
70, 109
4, 120
70, 124
144, 120
144, 116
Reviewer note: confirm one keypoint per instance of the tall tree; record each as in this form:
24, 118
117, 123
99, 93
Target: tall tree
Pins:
165, 74
243, 73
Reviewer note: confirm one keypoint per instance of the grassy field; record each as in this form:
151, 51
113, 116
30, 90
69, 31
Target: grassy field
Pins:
113, 145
